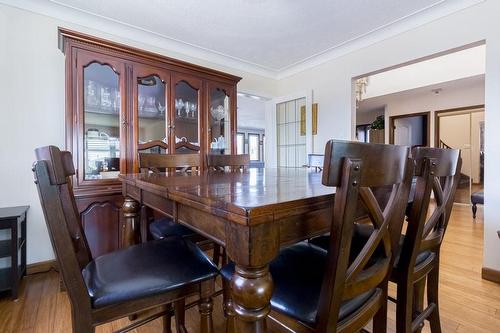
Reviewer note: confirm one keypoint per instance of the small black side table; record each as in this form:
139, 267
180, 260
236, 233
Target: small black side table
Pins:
13, 218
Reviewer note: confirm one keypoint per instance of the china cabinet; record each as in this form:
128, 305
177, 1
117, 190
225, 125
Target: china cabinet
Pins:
120, 101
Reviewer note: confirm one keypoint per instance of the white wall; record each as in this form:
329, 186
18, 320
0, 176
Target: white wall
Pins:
398, 104
332, 86
32, 106
449, 67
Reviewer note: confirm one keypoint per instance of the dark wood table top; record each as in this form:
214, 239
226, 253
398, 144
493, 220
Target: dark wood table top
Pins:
250, 193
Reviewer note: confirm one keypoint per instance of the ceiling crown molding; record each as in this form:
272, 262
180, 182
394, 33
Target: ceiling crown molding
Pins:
392, 29
194, 53
126, 33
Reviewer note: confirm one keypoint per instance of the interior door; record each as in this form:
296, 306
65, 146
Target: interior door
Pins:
455, 132
151, 118
402, 134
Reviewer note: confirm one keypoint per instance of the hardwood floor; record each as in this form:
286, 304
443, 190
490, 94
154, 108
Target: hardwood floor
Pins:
468, 303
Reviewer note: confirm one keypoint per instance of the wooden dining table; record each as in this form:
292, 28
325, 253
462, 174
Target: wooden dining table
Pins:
252, 214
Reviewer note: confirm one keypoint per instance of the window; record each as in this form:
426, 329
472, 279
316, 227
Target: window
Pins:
240, 143
253, 147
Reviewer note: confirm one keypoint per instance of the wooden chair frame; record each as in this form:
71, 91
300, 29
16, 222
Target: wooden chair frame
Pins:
169, 162
233, 162
52, 174
437, 171
354, 169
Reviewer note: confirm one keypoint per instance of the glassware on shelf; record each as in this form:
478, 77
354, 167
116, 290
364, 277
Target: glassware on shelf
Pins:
193, 108
141, 100
179, 105
218, 113
150, 104
161, 109
187, 105
116, 100
91, 94
106, 102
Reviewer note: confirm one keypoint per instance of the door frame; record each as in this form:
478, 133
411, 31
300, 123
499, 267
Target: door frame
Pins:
271, 153
427, 116
465, 109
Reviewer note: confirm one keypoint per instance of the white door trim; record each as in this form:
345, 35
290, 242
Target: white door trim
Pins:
271, 140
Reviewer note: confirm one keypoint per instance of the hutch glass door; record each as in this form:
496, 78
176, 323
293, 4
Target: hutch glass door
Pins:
219, 121
186, 125
150, 110
102, 106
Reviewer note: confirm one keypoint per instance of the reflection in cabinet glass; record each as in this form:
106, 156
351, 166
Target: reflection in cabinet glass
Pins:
186, 115
152, 110
102, 122
253, 147
219, 122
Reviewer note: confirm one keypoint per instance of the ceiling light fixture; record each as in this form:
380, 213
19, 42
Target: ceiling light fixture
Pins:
360, 89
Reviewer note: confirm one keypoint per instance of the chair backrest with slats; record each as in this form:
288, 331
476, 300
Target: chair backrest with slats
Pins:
437, 171
153, 147
168, 163
356, 169
53, 171
232, 162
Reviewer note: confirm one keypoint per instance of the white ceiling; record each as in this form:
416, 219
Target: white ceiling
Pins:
374, 104
268, 37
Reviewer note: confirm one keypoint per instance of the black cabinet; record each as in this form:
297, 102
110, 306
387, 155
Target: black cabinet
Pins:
13, 218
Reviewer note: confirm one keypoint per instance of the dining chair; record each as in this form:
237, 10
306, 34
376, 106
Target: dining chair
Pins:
437, 172
173, 163
335, 290
120, 283
231, 162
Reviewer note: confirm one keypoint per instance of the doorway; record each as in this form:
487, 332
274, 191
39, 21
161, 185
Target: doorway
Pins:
410, 129
463, 129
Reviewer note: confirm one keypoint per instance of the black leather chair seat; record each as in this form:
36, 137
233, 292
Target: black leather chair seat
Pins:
298, 274
477, 198
166, 227
360, 235
145, 270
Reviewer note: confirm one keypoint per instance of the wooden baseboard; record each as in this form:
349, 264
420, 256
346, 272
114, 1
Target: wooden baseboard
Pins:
490, 274
41, 267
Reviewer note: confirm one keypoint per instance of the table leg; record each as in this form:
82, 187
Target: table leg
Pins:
251, 290
130, 229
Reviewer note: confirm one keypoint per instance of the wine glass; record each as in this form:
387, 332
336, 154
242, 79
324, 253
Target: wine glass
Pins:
161, 109
141, 101
179, 104
193, 107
